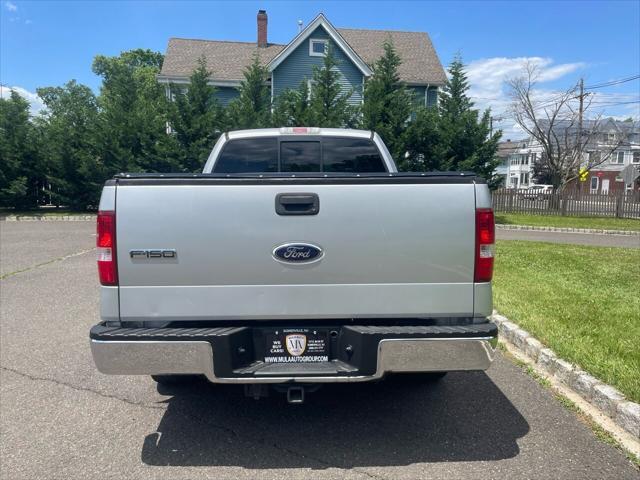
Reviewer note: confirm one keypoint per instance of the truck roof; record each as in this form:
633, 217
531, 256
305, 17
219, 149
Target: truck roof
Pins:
271, 132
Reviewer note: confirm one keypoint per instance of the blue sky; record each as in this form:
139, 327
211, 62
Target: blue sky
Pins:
48, 43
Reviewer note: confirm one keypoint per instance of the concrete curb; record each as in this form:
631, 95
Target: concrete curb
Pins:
605, 398
48, 218
501, 226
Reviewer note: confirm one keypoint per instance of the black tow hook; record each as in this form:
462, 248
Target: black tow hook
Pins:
295, 395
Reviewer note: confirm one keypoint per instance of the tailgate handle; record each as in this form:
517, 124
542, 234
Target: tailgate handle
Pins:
297, 204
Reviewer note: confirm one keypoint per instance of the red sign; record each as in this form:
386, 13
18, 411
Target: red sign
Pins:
600, 174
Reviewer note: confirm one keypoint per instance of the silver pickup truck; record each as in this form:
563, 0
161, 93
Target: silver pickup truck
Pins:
300, 256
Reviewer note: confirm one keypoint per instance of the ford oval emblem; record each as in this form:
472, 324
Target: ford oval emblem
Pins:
297, 253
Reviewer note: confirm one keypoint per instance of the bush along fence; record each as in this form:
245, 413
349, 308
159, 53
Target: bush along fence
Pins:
618, 204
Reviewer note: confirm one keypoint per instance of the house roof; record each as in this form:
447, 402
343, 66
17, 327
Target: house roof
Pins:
227, 60
507, 148
321, 21
420, 62
609, 124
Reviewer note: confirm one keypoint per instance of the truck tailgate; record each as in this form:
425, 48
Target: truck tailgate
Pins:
390, 249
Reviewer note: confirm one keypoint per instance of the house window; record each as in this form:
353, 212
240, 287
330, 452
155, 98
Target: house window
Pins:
432, 97
636, 157
318, 48
617, 157
524, 179
594, 184
610, 138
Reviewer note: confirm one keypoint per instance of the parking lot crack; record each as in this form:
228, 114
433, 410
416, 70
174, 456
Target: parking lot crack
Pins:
48, 262
81, 389
224, 428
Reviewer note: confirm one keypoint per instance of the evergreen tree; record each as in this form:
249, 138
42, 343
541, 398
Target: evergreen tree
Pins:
453, 100
292, 108
252, 108
132, 125
75, 173
21, 176
388, 103
196, 119
424, 143
329, 105
468, 143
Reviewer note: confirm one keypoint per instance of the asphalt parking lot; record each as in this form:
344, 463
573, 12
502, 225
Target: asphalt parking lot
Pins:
62, 419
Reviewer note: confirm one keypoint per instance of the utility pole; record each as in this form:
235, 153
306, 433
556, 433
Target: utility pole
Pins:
580, 115
580, 110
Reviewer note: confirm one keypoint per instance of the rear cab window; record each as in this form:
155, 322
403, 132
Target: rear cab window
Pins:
310, 154
249, 155
300, 156
348, 155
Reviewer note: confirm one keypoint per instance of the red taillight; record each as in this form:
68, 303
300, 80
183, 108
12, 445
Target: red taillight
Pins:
106, 243
485, 245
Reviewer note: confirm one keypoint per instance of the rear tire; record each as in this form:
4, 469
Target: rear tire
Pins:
176, 379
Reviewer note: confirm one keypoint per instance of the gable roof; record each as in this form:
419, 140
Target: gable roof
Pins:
507, 148
321, 21
420, 62
227, 60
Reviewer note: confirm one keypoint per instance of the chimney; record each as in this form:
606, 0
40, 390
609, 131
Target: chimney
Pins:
262, 28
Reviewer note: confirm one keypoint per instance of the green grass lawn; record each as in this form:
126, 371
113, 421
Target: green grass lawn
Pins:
583, 302
570, 222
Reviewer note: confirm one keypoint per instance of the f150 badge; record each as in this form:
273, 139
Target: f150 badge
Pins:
297, 253
151, 254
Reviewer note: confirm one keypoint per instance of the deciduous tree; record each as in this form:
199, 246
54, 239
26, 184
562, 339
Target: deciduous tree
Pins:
558, 126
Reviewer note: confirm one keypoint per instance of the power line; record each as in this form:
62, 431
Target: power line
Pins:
612, 82
616, 103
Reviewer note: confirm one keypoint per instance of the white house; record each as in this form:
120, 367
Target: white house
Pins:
614, 147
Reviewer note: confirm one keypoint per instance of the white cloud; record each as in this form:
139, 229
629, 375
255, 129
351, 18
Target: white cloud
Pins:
12, 7
487, 87
37, 106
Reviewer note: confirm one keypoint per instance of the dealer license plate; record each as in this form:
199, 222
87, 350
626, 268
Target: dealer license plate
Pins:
296, 345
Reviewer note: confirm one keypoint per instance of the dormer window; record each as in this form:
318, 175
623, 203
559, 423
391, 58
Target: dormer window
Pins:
318, 48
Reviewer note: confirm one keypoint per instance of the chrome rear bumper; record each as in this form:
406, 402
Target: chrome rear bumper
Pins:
118, 357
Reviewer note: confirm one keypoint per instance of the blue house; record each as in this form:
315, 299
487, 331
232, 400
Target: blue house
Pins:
356, 50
